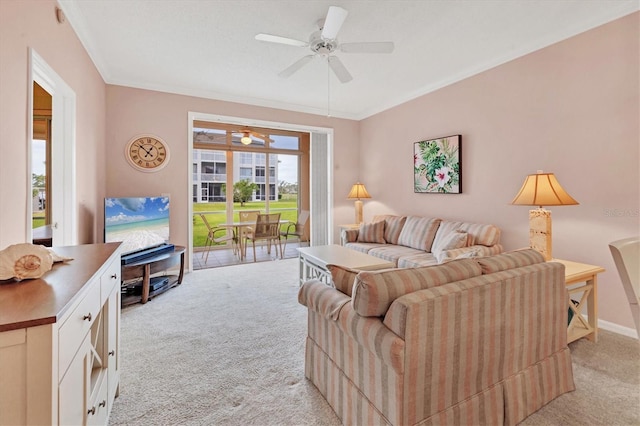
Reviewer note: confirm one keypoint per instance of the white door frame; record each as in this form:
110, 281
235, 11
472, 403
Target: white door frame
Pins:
64, 221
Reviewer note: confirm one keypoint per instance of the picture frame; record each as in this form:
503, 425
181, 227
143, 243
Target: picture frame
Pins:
437, 165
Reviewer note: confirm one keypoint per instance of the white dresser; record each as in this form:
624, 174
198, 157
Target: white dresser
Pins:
59, 341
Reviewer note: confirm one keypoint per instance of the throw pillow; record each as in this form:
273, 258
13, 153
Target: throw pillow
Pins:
453, 240
418, 232
342, 278
392, 226
371, 233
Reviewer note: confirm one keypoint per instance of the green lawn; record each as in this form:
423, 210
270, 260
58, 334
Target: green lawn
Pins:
216, 214
37, 220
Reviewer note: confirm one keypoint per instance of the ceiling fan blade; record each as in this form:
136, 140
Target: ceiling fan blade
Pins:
368, 47
258, 135
339, 69
295, 66
332, 24
281, 40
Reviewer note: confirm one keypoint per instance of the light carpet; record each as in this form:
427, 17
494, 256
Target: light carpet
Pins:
227, 348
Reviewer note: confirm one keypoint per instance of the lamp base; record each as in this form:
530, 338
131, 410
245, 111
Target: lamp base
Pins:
358, 204
540, 231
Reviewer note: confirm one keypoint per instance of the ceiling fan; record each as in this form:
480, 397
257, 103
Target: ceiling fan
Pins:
247, 133
324, 43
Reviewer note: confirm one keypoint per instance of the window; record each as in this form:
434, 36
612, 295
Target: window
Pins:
246, 158
246, 173
285, 142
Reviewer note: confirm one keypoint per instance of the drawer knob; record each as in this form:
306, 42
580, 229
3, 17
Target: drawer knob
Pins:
112, 352
103, 403
114, 276
92, 410
87, 317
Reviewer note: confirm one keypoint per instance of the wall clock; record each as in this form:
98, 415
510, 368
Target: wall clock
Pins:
147, 153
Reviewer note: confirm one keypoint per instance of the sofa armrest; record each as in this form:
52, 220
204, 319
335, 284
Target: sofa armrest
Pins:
325, 300
349, 235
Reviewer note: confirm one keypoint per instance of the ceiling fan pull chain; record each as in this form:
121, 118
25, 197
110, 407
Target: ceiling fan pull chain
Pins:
328, 89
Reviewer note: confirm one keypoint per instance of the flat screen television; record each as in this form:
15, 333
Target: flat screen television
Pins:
139, 222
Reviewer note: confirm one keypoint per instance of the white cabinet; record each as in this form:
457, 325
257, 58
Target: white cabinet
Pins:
75, 358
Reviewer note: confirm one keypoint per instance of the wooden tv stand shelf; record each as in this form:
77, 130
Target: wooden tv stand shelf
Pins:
143, 269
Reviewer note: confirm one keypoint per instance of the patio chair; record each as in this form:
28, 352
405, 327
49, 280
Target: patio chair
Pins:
296, 229
246, 216
267, 229
217, 235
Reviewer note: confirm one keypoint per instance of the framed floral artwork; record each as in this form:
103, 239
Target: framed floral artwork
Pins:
437, 165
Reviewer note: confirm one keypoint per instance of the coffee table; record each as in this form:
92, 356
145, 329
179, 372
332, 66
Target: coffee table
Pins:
314, 261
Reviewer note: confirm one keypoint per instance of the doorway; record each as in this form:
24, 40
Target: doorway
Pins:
265, 173
60, 217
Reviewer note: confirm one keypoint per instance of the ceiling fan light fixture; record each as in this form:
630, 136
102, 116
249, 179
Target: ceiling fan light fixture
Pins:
245, 139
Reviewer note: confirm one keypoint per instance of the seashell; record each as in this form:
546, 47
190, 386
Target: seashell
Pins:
24, 260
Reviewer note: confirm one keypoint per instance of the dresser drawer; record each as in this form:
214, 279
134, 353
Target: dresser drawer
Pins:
98, 408
75, 328
108, 280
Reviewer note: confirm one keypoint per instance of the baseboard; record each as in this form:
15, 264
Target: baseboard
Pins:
616, 328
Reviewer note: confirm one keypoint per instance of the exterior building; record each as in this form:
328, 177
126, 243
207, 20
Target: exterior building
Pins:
209, 168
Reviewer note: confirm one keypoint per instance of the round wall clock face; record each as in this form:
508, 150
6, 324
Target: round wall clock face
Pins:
147, 153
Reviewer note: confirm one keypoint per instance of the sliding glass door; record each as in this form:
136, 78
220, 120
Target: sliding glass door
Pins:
232, 174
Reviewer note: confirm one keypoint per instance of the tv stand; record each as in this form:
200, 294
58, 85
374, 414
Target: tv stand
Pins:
143, 269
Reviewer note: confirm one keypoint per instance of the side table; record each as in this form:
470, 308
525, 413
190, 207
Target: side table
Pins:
582, 278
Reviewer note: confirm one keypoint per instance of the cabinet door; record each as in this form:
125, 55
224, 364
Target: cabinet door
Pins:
73, 387
113, 343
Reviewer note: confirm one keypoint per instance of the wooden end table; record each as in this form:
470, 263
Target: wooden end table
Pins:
582, 278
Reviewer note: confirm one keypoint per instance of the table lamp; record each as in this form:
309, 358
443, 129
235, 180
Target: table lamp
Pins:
358, 191
542, 189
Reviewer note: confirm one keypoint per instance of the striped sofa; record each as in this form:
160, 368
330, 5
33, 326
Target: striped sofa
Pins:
413, 241
472, 341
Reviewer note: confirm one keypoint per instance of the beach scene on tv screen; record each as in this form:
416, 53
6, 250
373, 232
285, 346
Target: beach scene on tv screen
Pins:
138, 222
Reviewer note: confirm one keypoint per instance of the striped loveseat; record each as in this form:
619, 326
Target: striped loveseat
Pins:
413, 241
472, 341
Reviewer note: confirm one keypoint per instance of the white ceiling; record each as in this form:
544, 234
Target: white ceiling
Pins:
207, 48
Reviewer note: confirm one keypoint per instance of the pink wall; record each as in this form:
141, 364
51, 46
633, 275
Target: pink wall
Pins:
134, 111
571, 109
32, 24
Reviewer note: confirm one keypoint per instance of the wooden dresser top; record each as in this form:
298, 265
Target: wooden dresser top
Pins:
29, 303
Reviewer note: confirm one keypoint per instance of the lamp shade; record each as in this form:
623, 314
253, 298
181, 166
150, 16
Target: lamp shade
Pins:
543, 189
358, 191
